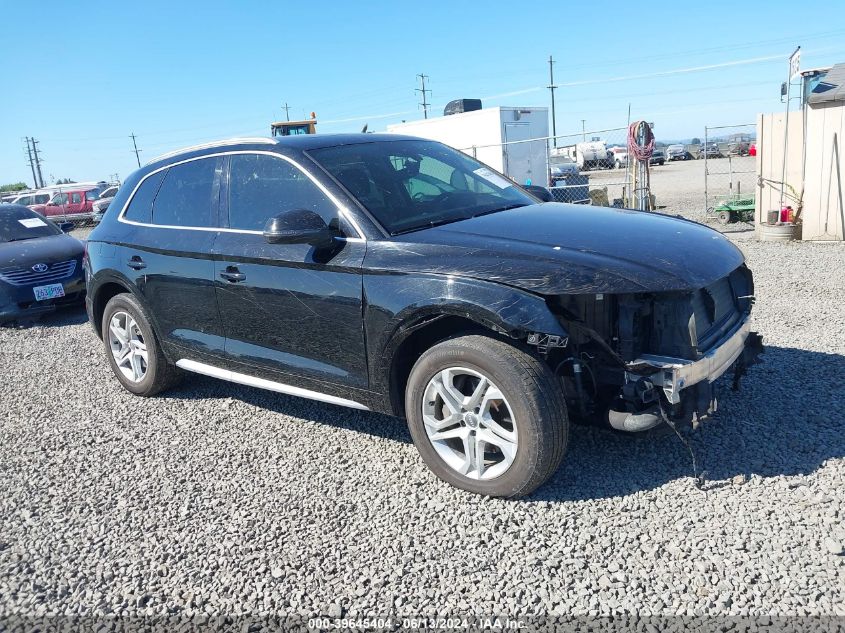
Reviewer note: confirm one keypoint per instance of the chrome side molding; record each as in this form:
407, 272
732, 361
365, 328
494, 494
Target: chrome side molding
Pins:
261, 383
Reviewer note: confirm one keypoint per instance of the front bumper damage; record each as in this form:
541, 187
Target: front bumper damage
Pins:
739, 349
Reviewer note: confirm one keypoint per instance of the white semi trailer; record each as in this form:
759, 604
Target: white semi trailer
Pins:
501, 137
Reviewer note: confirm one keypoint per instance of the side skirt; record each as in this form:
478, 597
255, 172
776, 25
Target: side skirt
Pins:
261, 383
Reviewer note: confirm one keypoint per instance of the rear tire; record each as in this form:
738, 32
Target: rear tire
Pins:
133, 350
504, 439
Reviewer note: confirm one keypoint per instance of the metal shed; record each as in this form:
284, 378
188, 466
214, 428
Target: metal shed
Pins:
824, 167
814, 168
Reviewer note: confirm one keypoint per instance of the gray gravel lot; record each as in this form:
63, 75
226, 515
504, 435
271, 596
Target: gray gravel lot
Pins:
222, 499
678, 186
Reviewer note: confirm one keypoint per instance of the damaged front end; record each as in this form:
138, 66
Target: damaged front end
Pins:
635, 361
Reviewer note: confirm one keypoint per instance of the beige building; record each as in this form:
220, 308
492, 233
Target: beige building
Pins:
815, 165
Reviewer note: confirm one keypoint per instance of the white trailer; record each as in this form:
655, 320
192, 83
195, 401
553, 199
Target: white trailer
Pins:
499, 137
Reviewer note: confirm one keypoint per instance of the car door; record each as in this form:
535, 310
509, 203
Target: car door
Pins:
292, 312
174, 218
57, 205
75, 203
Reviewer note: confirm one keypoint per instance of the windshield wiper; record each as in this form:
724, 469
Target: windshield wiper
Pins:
507, 207
433, 223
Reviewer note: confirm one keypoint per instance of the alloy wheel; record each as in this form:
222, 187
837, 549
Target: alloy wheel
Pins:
469, 423
128, 346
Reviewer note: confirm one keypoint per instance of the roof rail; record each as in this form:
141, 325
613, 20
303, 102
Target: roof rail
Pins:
228, 141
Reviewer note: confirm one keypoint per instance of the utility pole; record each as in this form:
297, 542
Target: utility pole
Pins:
31, 163
37, 162
552, 87
135, 145
583, 129
286, 108
424, 103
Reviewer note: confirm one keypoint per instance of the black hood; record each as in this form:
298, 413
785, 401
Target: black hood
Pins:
40, 250
556, 248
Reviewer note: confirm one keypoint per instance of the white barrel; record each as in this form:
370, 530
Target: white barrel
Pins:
777, 232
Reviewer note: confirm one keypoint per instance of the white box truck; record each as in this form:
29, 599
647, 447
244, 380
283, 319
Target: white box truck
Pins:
489, 135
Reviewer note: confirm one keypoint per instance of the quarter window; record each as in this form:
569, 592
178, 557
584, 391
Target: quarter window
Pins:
185, 196
262, 186
140, 208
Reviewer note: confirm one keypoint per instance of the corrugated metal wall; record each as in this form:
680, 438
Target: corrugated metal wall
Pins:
770, 131
816, 172
824, 174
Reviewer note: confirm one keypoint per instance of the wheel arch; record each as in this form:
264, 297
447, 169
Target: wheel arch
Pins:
432, 324
109, 287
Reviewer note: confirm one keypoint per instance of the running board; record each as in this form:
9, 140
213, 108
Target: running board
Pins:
261, 383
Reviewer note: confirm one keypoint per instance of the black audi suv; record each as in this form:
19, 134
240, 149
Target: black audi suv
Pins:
398, 275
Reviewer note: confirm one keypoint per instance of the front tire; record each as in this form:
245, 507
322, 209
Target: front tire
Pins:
133, 350
486, 417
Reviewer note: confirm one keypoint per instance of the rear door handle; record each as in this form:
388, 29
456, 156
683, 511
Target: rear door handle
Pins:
136, 263
233, 275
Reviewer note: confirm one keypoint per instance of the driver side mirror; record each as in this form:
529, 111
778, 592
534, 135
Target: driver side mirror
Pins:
539, 192
299, 226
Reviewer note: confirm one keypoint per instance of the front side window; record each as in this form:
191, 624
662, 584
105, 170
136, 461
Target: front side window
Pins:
262, 186
59, 198
413, 184
185, 197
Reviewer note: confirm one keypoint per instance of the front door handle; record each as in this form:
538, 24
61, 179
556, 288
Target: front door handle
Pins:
136, 263
232, 275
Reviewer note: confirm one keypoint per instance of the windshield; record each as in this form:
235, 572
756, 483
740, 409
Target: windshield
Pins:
18, 224
408, 184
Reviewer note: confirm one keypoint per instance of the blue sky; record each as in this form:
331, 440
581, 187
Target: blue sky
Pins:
178, 73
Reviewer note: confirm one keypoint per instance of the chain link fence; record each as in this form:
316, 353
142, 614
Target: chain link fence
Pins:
710, 178
730, 172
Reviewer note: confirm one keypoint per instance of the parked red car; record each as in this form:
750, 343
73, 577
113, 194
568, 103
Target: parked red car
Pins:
74, 204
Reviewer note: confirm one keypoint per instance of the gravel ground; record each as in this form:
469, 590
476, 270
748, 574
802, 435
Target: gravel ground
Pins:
219, 499
678, 186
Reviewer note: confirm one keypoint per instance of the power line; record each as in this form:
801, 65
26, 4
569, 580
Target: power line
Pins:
424, 103
37, 161
31, 163
135, 145
551, 88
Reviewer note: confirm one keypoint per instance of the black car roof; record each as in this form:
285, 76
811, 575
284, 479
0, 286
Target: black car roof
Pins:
300, 142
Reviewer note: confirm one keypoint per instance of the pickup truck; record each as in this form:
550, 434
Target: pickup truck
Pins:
73, 204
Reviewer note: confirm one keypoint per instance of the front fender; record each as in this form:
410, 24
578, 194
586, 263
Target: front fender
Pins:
397, 304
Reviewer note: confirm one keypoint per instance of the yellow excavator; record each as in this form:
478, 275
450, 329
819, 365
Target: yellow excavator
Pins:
293, 128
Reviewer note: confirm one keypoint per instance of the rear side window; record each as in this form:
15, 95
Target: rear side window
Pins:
185, 196
60, 198
140, 208
75, 198
262, 186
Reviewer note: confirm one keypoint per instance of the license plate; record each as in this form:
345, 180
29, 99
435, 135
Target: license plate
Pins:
50, 291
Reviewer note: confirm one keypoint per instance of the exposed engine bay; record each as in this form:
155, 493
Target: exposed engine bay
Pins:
635, 361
